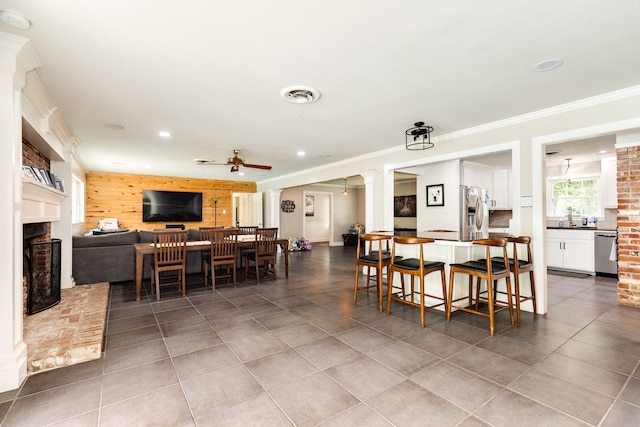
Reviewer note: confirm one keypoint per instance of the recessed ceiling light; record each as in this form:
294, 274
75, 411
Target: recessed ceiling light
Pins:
548, 64
602, 151
118, 163
146, 166
300, 94
301, 153
241, 173
113, 126
164, 133
15, 20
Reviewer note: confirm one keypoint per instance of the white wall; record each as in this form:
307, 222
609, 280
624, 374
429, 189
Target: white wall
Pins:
317, 228
439, 217
347, 210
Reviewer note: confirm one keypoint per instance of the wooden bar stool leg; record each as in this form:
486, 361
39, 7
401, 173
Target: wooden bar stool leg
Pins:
452, 274
379, 282
389, 290
443, 278
510, 298
355, 286
421, 300
490, 297
516, 289
533, 292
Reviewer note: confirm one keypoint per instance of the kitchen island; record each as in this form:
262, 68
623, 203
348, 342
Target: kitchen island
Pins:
449, 247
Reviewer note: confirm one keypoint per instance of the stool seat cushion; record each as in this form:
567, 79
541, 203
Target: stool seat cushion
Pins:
373, 258
414, 264
481, 266
521, 263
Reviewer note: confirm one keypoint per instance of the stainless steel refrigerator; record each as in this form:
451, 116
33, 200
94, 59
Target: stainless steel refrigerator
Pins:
474, 211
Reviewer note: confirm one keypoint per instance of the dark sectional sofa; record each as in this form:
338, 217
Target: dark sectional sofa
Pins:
111, 257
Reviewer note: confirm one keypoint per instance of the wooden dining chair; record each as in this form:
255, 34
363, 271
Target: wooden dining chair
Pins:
203, 234
488, 270
371, 253
415, 267
223, 253
263, 254
169, 255
246, 248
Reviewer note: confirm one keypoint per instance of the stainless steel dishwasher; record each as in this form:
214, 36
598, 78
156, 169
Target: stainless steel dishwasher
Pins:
605, 247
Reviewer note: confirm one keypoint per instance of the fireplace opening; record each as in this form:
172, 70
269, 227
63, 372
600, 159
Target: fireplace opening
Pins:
43, 276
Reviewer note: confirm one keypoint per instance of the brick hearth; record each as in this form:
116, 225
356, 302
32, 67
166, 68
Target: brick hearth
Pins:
69, 333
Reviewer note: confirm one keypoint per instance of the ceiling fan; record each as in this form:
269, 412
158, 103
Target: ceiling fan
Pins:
235, 162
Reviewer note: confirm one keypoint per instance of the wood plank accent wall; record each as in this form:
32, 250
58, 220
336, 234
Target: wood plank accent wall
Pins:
115, 195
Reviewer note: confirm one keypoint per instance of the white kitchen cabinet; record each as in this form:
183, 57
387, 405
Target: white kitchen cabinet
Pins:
497, 182
570, 250
500, 194
608, 182
478, 176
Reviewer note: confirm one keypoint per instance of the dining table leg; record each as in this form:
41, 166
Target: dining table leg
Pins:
138, 279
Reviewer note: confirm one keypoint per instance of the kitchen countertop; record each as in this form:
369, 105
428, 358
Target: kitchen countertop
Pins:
455, 236
580, 228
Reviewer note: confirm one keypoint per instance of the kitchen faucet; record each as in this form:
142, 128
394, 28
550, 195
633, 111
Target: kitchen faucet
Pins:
570, 216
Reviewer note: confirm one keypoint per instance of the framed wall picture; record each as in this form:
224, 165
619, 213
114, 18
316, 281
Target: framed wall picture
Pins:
28, 173
404, 206
308, 206
288, 206
435, 195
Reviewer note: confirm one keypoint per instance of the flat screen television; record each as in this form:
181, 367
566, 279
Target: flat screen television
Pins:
164, 206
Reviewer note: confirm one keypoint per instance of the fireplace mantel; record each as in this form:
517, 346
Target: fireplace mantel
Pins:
40, 203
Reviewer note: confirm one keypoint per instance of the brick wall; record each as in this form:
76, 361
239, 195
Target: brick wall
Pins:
629, 226
32, 157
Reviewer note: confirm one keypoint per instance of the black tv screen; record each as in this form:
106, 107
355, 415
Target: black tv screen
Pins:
163, 206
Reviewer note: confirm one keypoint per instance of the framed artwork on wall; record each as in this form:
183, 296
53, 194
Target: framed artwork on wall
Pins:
404, 206
288, 206
308, 205
435, 195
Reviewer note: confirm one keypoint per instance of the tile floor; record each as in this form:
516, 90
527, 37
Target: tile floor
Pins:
299, 352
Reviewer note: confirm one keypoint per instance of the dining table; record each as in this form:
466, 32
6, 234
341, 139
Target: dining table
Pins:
142, 249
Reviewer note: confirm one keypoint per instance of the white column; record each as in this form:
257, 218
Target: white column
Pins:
369, 201
63, 229
272, 211
13, 351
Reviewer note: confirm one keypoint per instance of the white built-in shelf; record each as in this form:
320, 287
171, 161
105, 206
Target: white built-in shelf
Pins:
40, 202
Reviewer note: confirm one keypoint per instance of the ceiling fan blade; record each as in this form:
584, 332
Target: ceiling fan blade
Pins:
265, 167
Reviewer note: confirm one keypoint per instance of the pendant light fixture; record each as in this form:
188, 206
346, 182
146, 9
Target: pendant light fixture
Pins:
566, 171
418, 137
345, 192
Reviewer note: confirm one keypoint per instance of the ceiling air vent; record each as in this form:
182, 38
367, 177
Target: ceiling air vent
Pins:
300, 94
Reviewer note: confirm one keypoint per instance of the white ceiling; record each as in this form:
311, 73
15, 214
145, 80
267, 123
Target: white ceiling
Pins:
211, 72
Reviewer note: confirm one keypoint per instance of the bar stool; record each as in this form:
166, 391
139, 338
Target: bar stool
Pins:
518, 266
489, 270
376, 258
414, 267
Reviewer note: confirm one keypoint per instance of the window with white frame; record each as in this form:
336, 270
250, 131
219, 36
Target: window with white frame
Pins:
77, 200
582, 195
